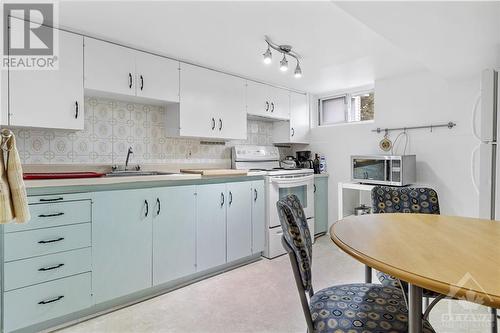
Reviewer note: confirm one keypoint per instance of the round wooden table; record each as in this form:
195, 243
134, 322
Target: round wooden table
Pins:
449, 255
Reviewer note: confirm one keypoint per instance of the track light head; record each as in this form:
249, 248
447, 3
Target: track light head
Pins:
268, 56
284, 64
298, 71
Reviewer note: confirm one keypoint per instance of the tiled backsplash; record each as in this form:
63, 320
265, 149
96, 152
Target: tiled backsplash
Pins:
111, 126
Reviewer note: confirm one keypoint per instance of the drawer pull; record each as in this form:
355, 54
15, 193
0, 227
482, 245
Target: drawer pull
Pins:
58, 298
51, 215
54, 199
51, 240
44, 269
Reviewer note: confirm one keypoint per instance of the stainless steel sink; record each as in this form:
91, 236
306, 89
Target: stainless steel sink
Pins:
123, 173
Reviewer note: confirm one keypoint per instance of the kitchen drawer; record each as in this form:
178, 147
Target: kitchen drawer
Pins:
58, 198
26, 244
55, 214
22, 273
275, 246
41, 302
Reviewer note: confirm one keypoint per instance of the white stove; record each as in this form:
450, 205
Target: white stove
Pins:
280, 182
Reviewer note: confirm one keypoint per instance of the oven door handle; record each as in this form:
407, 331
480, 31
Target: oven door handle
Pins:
288, 182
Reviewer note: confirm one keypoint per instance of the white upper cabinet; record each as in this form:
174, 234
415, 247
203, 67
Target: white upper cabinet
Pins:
157, 77
297, 129
258, 99
50, 98
115, 69
267, 101
212, 105
299, 118
280, 103
109, 67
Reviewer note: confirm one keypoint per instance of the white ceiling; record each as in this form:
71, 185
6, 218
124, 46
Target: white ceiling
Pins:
342, 44
453, 39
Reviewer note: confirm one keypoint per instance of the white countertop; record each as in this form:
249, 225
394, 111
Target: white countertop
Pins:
107, 180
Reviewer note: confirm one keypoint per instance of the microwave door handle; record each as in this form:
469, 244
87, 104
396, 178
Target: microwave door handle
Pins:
387, 166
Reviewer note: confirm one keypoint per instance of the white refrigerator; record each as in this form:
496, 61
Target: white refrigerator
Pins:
489, 156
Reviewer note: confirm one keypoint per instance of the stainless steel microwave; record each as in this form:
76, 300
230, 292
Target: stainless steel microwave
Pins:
384, 170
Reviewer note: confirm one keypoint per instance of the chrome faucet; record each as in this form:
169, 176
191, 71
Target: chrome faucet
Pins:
130, 152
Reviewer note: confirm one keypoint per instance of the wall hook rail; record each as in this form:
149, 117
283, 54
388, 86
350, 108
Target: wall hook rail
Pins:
450, 125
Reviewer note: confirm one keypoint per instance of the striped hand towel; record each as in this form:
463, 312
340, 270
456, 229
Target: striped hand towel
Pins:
18, 194
5, 202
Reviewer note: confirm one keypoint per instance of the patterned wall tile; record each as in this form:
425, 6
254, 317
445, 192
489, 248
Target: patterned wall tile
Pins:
112, 126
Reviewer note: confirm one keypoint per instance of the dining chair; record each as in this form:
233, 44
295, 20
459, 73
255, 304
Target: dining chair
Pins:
420, 200
356, 307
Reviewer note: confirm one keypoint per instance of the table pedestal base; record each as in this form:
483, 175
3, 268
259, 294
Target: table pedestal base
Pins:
414, 309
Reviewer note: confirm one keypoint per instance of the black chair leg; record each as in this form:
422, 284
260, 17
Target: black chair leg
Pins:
494, 321
368, 274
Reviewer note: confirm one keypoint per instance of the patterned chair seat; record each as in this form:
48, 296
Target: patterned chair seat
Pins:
360, 307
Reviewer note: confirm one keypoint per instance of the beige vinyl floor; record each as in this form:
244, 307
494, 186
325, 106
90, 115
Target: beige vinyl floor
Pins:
260, 297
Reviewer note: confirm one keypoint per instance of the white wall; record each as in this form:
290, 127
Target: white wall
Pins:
443, 156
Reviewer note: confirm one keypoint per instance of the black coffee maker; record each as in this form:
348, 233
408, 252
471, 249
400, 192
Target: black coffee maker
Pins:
304, 159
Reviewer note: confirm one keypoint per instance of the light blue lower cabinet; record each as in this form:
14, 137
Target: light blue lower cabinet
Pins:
22, 273
210, 226
121, 243
52, 214
320, 205
239, 220
174, 230
258, 216
133, 240
31, 305
31, 243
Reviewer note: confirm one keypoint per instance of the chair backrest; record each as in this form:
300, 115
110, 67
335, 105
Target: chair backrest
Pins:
386, 199
297, 235
298, 244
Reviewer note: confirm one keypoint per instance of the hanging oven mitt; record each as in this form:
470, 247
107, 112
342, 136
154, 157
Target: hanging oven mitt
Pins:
19, 197
5, 202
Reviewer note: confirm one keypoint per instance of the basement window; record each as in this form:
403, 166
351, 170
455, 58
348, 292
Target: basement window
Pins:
347, 108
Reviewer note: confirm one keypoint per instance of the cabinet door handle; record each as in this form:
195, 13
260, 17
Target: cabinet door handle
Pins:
44, 269
76, 109
51, 240
267, 106
130, 80
51, 215
58, 298
142, 82
314, 188
230, 198
159, 206
54, 199
222, 199
220, 124
213, 123
272, 106
255, 194
147, 208
293, 131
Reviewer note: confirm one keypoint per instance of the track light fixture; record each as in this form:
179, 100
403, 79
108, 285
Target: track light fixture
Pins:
285, 50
